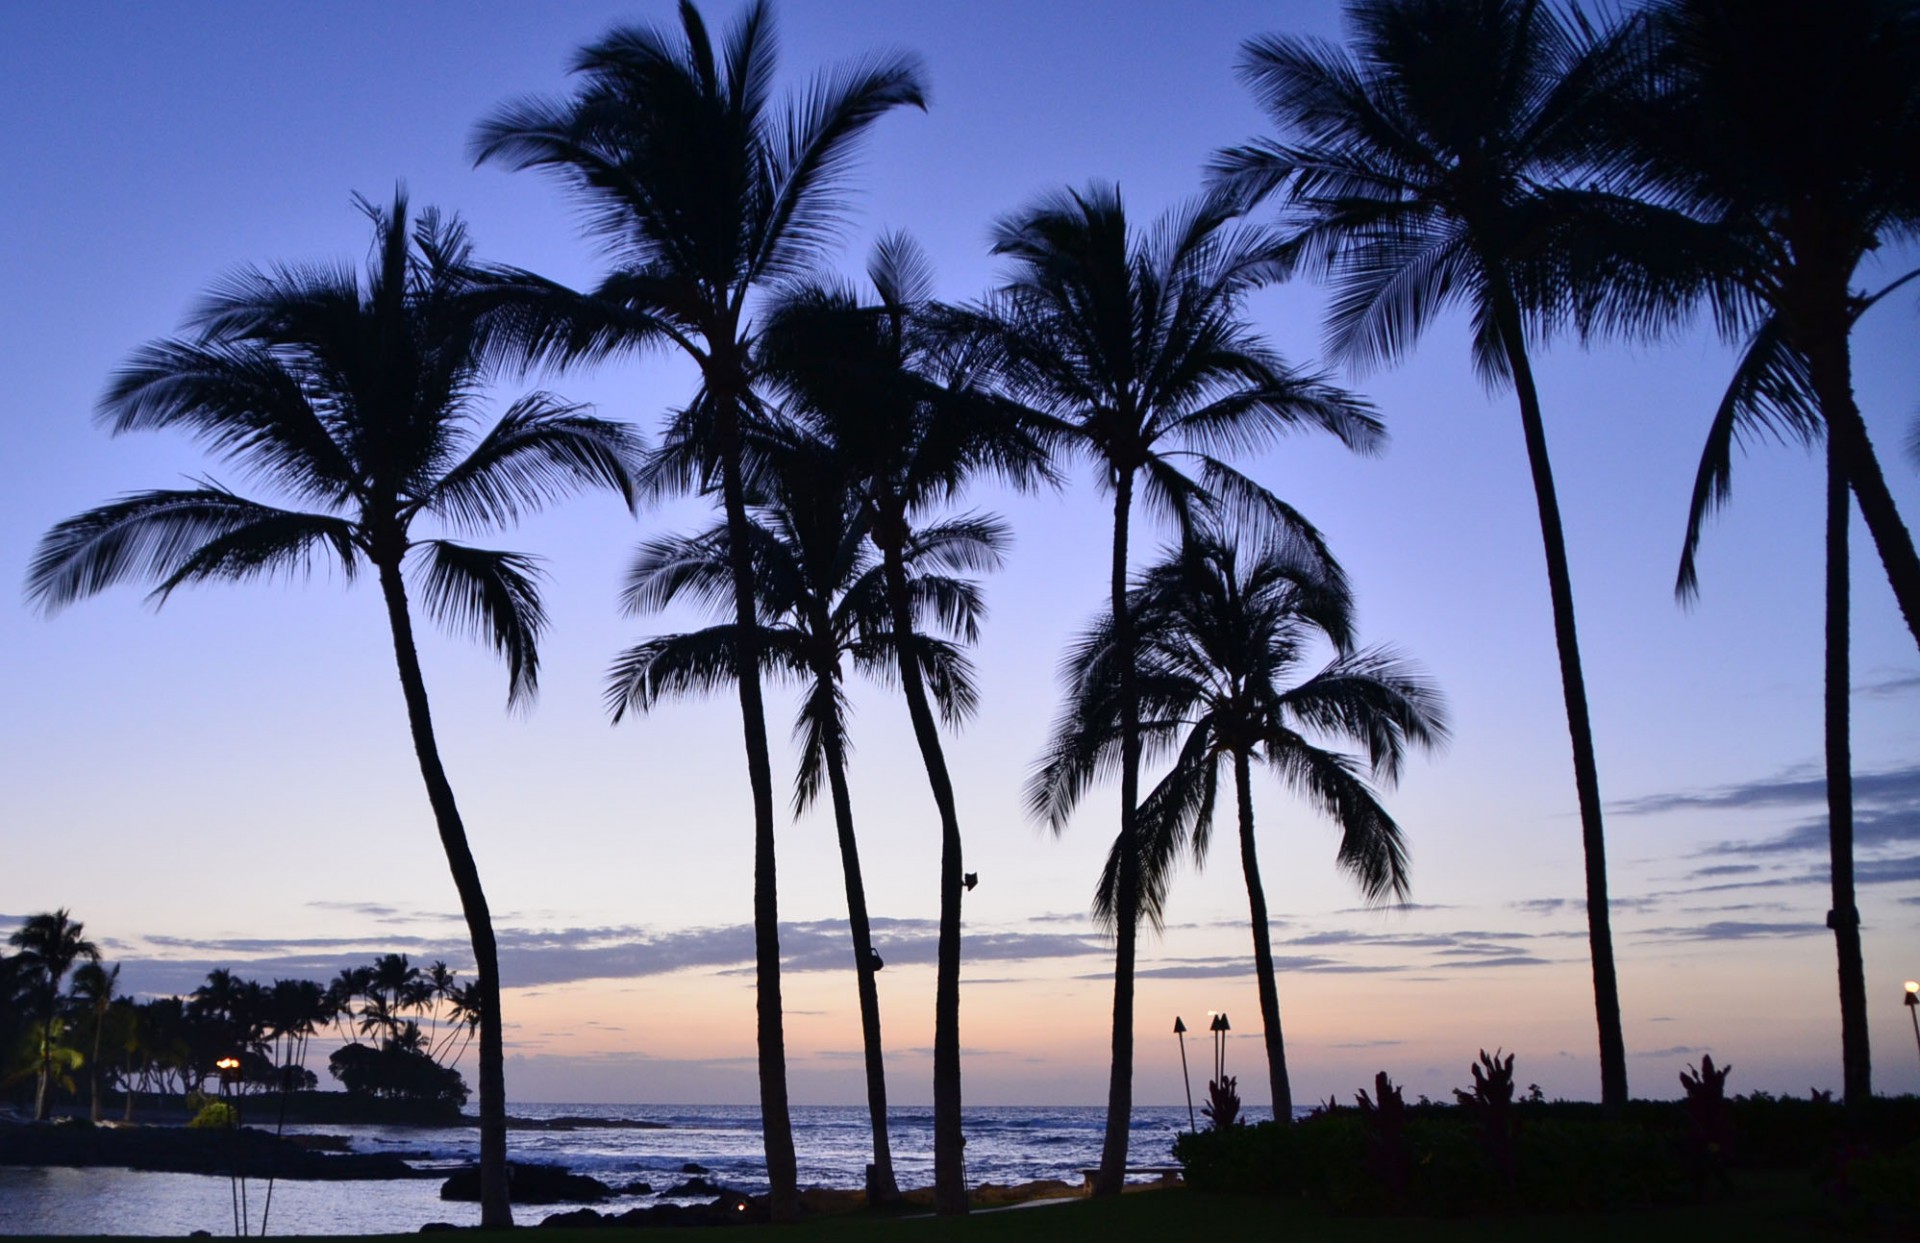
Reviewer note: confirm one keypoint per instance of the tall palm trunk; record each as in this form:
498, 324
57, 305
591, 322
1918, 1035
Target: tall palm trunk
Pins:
1830, 366
496, 1210
93, 1067
1844, 918
42, 1092
1113, 1149
881, 1185
949, 1140
1277, 1081
776, 1122
1586, 776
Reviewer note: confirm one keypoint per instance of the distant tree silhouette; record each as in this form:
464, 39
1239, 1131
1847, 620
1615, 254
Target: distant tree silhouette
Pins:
1222, 639
706, 193
358, 399
94, 985
1135, 352
49, 944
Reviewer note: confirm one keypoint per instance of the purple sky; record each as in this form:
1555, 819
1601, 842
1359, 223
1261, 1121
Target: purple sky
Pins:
228, 782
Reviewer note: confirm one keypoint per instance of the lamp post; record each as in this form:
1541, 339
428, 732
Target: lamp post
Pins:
229, 1068
1913, 1008
1219, 1027
1180, 1034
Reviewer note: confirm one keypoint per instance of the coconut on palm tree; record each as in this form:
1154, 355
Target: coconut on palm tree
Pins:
358, 400
1134, 352
1425, 168
1225, 639
823, 607
705, 192
49, 944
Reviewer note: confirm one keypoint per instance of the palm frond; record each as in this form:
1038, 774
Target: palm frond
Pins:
175, 537
1771, 393
540, 450
489, 595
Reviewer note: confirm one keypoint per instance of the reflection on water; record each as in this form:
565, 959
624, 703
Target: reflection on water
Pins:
105, 1201
1004, 1145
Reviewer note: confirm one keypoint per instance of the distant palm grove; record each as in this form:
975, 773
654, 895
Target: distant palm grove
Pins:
1606, 175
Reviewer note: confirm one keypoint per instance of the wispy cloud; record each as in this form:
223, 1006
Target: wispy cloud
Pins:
1731, 930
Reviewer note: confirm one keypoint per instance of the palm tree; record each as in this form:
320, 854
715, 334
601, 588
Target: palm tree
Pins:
93, 986
822, 606
49, 945
1220, 640
893, 388
1137, 354
705, 193
1771, 393
1421, 171
1786, 132
359, 402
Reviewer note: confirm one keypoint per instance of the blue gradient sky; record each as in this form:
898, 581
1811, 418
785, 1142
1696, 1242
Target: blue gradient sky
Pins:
229, 782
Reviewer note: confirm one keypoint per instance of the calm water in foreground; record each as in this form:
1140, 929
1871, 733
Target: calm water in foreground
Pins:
1004, 1145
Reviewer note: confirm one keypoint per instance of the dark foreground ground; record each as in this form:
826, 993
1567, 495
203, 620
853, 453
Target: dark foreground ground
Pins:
1753, 1211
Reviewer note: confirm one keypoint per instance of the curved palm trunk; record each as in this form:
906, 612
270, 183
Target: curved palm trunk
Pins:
949, 1140
496, 1210
43, 1090
1831, 368
881, 1185
1277, 1081
776, 1122
1586, 775
1113, 1149
1844, 918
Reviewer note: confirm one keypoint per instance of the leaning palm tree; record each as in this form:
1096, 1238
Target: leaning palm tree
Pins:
1220, 641
704, 192
1136, 354
1421, 171
894, 388
358, 401
1786, 132
49, 944
823, 607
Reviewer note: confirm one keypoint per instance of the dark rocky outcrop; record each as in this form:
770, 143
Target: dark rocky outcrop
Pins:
186, 1150
530, 1184
730, 1208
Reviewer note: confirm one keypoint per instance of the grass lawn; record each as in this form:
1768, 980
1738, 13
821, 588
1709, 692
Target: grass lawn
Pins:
1760, 1210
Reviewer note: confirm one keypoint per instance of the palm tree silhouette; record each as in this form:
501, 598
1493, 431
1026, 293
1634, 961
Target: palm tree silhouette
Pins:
48, 948
1771, 394
1421, 171
358, 400
1221, 639
1786, 132
705, 193
894, 388
49, 944
1135, 353
94, 986
822, 606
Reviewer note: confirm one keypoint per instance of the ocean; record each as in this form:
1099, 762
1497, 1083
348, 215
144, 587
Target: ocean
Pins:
1007, 1144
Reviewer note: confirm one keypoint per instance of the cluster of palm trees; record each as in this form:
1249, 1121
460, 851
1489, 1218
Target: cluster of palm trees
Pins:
171, 1045
1545, 171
